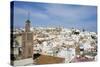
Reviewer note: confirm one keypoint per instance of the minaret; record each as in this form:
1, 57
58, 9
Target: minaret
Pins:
27, 41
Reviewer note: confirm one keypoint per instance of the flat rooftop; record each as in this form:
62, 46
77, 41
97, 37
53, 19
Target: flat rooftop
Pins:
45, 59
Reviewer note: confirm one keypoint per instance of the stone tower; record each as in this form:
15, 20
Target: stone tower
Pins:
27, 41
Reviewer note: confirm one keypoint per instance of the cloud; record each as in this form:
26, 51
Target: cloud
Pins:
19, 11
33, 13
54, 14
71, 13
60, 11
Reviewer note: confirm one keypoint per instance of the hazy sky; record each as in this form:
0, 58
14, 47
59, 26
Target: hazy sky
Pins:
46, 14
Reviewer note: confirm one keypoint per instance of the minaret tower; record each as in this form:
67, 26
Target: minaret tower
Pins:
27, 40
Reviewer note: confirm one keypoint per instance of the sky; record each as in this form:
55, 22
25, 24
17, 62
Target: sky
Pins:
50, 14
